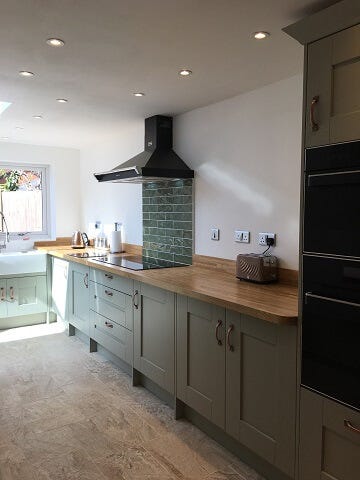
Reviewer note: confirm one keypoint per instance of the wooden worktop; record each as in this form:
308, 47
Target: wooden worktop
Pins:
276, 303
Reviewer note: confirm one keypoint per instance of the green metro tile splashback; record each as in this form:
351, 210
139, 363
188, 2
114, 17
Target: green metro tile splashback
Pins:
168, 220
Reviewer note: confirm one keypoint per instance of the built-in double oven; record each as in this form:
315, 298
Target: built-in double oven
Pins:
331, 272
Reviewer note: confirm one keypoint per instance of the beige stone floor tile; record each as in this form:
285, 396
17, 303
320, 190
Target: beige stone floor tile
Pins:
129, 462
71, 465
68, 414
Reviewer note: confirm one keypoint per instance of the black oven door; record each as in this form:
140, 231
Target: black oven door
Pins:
332, 213
332, 200
331, 328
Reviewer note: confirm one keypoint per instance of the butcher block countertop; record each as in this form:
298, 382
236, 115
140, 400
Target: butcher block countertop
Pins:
276, 303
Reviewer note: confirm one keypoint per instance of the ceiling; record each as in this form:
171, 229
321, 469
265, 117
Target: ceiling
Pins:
116, 47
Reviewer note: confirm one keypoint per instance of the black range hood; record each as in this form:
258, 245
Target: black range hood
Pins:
157, 162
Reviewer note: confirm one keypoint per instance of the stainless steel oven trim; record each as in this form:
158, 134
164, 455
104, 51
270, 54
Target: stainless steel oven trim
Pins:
329, 299
332, 256
345, 172
349, 405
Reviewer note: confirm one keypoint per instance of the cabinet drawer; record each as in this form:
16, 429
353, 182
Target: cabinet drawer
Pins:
107, 279
329, 439
110, 303
114, 337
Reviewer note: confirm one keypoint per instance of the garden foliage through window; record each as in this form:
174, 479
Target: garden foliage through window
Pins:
23, 198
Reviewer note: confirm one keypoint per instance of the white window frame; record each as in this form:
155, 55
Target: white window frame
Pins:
47, 227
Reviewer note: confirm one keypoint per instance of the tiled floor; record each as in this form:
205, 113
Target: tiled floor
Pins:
69, 414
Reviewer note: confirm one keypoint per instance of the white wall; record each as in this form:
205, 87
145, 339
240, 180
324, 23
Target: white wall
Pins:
246, 153
111, 202
64, 171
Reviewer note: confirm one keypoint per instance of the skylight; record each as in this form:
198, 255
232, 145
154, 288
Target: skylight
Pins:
4, 106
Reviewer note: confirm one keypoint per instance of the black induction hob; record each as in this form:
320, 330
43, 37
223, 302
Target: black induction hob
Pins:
137, 262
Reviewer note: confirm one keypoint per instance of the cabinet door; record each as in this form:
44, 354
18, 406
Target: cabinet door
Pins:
26, 296
201, 358
329, 439
333, 93
78, 311
59, 287
154, 335
261, 388
3, 306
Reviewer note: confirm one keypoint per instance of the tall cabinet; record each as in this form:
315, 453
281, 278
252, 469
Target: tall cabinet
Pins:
329, 432
332, 89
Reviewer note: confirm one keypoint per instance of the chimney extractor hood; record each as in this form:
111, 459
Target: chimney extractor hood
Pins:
157, 162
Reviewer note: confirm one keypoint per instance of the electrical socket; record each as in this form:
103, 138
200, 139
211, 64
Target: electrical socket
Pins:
264, 236
215, 234
242, 236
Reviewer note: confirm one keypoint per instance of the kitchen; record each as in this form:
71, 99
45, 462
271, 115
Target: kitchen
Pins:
72, 408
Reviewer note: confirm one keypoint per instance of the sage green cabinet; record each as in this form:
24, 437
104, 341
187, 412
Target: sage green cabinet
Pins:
329, 439
261, 388
3, 305
332, 89
111, 313
78, 306
201, 358
59, 287
154, 334
21, 296
239, 372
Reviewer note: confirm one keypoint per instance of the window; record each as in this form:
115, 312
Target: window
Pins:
24, 199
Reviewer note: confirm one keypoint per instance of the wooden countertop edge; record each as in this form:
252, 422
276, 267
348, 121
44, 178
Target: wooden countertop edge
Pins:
263, 312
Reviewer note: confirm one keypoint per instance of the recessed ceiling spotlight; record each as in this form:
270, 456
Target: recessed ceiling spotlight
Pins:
19, 128
55, 42
38, 117
185, 72
139, 94
25, 73
261, 35
62, 100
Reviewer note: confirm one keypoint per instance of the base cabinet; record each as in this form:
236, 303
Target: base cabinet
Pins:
261, 388
78, 297
59, 287
154, 334
20, 296
111, 313
201, 358
329, 439
239, 372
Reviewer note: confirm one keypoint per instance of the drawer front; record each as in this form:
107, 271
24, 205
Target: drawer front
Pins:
329, 439
107, 279
115, 338
110, 303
